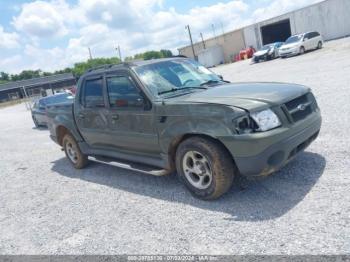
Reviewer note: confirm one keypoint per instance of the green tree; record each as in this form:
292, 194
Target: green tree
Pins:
166, 53
80, 68
4, 77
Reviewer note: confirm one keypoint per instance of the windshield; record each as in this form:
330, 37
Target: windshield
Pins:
56, 99
175, 75
294, 39
267, 47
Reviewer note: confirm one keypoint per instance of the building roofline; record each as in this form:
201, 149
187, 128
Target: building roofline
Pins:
40, 81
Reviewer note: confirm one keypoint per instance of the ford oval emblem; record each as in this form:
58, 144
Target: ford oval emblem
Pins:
301, 107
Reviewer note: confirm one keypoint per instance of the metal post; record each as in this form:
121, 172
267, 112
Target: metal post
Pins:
222, 28
213, 27
90, 53
120, 54
223, 32
203, 41
189, 33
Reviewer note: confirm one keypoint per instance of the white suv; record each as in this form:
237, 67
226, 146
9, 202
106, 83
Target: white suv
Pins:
298, 44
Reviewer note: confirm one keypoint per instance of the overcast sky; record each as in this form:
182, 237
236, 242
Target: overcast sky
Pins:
55, 34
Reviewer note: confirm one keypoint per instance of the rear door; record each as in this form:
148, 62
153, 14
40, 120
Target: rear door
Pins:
316, 39
307, 41
90, 111
131, 118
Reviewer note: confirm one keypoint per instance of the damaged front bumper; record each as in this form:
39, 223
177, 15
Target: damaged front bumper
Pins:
260, 154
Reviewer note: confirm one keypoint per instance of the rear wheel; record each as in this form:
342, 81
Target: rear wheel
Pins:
205, 167
73, 153
319, 45
302, 50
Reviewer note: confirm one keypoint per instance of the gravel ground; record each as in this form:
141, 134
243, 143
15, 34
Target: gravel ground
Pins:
47, 207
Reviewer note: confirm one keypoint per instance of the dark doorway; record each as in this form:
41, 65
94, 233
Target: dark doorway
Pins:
277, 32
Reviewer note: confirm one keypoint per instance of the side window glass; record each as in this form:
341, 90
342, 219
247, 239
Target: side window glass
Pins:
123, 93
93, 94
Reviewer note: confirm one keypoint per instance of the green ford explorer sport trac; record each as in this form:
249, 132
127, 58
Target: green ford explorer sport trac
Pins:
173, 114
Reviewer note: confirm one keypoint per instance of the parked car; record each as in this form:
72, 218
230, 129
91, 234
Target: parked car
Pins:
267, 52
299, 44
39, 107
173, 114
246, 53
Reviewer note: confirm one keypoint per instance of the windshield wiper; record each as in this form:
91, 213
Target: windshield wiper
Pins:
182, 88
209, 82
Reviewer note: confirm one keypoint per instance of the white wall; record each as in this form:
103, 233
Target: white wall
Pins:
331, 18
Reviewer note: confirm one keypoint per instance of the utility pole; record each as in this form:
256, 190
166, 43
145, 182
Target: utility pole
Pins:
120, 54
189, 33
203, 41
213, 27
222, 28
223, 32
90, 53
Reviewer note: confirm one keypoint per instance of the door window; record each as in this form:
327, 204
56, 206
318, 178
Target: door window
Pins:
93, 93
314, 34
123, 93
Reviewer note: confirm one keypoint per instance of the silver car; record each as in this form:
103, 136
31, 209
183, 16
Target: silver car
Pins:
39, 107
299, 44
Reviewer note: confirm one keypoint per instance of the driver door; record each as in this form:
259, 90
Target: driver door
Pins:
131, 118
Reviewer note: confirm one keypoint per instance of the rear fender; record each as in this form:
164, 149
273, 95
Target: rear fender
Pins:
69, 124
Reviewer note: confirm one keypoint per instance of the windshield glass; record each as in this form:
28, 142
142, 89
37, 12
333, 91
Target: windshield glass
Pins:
267, 47
293, 39
175, 75
61, 98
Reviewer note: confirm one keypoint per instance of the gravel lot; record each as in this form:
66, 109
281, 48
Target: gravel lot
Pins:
47, 207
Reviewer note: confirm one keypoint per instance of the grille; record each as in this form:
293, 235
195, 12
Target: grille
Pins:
299, 108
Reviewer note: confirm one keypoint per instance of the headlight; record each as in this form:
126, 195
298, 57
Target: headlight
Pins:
266, 120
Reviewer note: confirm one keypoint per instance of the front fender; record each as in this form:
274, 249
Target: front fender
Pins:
177, 127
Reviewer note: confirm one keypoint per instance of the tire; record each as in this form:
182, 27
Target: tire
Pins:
205, 168
302, 50
319, 45
73, 153
36, 123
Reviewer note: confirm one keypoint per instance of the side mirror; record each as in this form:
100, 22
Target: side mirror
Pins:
140, 102
221, 77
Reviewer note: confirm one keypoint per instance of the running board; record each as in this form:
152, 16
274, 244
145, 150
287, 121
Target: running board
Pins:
142, 168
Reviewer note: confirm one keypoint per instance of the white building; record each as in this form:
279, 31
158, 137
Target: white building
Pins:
330, 17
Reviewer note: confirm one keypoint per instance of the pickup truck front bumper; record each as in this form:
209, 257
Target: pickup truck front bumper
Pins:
260, 154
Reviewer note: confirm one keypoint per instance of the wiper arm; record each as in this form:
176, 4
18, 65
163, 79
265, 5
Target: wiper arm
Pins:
213, 82
181, 88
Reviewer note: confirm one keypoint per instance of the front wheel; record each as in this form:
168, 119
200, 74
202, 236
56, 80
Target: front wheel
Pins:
205, 167
302, 50
36, 123
73, 153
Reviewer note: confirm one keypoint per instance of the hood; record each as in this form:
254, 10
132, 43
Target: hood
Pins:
289, 45
249, 96
261, 52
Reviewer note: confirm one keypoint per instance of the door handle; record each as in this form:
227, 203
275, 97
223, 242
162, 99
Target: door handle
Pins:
115, 117
81, 116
